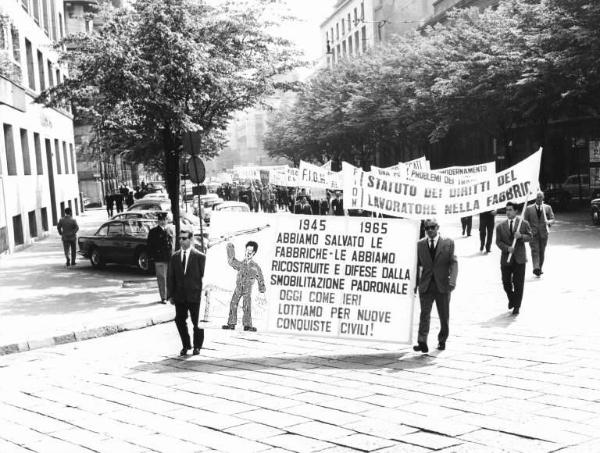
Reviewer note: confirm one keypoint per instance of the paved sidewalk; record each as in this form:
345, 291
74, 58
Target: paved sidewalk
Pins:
43, 303
529, 383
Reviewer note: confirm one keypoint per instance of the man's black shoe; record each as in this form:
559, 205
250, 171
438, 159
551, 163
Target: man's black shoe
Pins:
68, 262
488, 251
163, 301
196, 351
73, 263
183, 352
510, 304
516, 311
537, 272
249, 329
441, 346
422, 347
228, 327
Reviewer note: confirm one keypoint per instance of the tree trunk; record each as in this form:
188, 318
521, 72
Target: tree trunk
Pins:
172, 178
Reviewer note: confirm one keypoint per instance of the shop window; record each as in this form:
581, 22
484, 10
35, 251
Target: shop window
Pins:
18, 230
32, 224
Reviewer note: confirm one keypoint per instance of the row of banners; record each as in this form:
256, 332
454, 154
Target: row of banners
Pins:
411, 189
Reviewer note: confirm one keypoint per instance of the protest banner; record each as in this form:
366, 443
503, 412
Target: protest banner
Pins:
336, 277
420, 163
286, 177
310, 175
479, 171
416, 199
327, 165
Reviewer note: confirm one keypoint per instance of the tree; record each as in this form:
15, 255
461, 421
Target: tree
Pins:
152, 73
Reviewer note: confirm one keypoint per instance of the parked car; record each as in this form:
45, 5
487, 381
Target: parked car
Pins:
231, 206
146, 204
118, 241
574, 188
595, 205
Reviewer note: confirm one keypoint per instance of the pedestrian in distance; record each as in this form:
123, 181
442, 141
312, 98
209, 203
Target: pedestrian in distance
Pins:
337, 204
436, 280
510, 239
303, 207
67, 228
160, 247
110, 201
540, 217
118, 202
184, 289
467, 225
487, 220
248, 271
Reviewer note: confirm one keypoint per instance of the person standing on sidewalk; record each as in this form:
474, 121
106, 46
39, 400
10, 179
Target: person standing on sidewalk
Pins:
487, 221
160, 247
184, 288
517, 232
439, 270
540, 217
67, 228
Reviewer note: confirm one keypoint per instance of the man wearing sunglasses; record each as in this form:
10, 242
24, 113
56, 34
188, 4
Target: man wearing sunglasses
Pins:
437, 279
184, 283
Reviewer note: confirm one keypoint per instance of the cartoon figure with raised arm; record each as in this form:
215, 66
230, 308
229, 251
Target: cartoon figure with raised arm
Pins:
248, 272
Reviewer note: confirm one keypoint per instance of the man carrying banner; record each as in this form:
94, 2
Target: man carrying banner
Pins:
540, 217
437, 279
248, 272
510, 238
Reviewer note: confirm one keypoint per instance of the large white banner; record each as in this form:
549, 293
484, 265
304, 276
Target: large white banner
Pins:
417, 199
286, 177
319, 177
337, 277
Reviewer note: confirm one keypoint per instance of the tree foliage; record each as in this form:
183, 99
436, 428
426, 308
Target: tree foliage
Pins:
151, 73
524, 63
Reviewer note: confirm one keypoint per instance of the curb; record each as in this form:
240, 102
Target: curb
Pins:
83, 335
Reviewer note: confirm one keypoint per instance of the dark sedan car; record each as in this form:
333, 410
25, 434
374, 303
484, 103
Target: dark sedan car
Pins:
118, 241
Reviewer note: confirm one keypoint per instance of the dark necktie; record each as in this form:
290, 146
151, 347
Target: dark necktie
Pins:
539, 212
511, 230
431, 249
184, 260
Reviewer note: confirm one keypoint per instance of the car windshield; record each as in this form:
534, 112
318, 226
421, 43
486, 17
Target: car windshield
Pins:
234, 208
137, 228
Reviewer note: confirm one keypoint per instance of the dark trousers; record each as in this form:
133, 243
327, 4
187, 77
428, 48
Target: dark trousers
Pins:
442, 303
486, 235
181, 314
70, 248
467, 224
513, 280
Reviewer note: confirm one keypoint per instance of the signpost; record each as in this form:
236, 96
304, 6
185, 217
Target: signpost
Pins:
197, 173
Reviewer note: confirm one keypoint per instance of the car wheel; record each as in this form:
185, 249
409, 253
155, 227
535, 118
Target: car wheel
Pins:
596, 217
143, 261
96, 259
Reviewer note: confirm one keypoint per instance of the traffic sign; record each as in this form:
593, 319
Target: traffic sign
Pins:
196, 170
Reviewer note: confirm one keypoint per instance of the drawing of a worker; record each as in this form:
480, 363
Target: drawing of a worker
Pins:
248, 272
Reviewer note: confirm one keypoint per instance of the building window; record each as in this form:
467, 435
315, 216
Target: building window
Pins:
70, 205
357, 42
60, 25
343, 27
9, 146
44, 219
58, 76
30, 68
16, 44
364, 39
53, 20
25, 5
339, 52
57, 153
344, 48
36, 11
337, 31
362, 11
350, 45
18, 230
65, 158
72, 158
62, 208
50, 75
76, 206
25, 152
349, 22
45, 16
41, 72
332, 35
355, 17
32, 224
37, 143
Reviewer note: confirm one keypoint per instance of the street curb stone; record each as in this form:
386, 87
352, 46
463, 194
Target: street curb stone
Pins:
83, 335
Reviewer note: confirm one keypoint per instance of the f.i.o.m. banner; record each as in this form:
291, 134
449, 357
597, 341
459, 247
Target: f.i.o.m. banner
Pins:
417, 199
318, 177
336, 277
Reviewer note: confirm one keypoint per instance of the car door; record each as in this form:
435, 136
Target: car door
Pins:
131, 239
114, 238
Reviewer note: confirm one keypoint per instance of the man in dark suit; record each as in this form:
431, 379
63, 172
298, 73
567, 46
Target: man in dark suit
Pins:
486, 230
540, 217
184, 283
510, 238
337, 204
439, 269
67, 228
160, 246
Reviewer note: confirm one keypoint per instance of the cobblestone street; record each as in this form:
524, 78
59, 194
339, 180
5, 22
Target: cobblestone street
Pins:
527, 383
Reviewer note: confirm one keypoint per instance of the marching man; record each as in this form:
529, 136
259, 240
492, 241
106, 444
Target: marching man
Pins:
540, 218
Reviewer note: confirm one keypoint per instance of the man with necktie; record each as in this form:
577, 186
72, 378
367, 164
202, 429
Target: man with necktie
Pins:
510, 239
437, 279
184, 283
540, 217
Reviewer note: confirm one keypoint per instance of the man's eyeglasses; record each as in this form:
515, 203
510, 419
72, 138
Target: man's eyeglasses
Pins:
431, 227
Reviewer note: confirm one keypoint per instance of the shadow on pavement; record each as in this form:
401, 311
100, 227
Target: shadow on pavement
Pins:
503, 320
